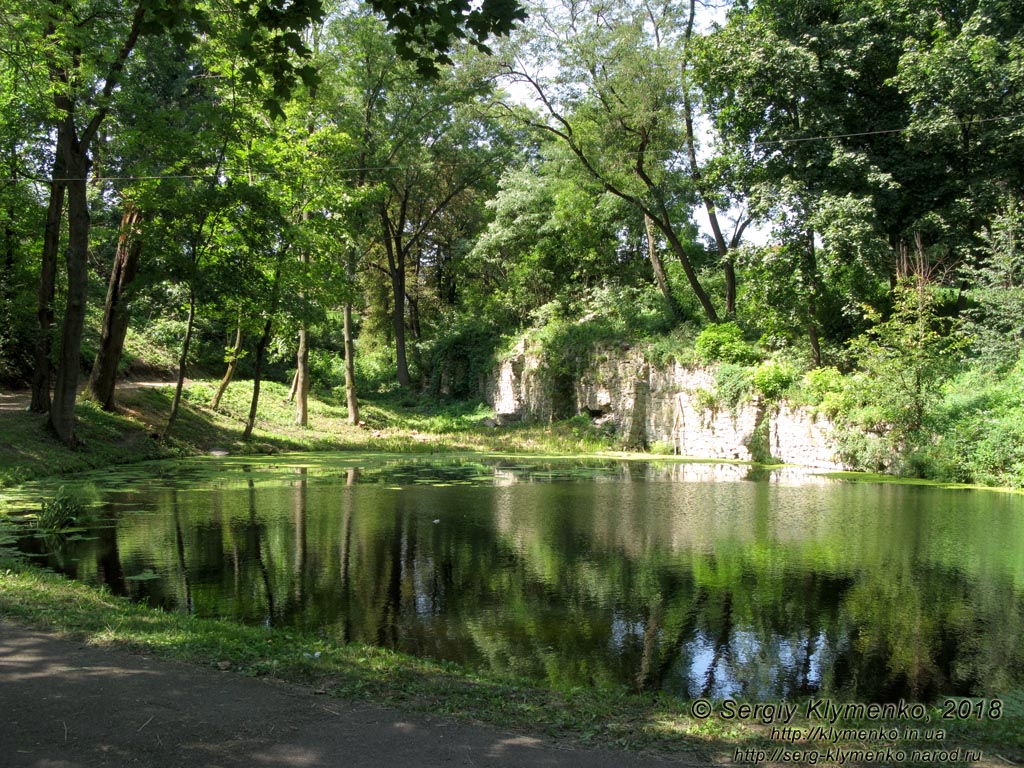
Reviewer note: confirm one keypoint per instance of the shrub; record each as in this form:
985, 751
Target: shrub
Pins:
819, 383
326, 369
732, 383
772, 379
723, 343
461, 357
706, 400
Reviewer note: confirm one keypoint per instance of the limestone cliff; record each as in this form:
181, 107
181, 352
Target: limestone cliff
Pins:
645, 403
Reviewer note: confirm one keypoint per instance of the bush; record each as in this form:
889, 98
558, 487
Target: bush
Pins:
732, 384
981, 430
326, 369
827, 391
706, 400
723, 343
773, 379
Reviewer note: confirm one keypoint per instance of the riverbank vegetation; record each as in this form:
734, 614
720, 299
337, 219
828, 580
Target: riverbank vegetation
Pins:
610, 717
824, 201
321, 225
392, 423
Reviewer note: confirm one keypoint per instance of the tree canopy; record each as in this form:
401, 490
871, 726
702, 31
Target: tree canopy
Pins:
389, 193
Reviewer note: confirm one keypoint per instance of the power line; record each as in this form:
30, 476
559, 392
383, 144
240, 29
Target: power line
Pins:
884, 131
203, 176
665, 152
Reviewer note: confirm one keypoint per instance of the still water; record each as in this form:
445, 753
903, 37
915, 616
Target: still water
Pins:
698, 579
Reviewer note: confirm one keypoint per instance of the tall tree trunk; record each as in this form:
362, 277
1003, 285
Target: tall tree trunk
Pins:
43, 371
696, 176
115, 313
810, 269
302, 362
261, 353
229, 374
294, 387
183, 360
396, 270
65, 390
691, 274
302, 379
350, 368
659, 271
724, 249
73, 150
398, 321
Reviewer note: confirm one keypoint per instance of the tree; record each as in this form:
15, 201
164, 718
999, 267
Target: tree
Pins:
614, 103
860, 127
22, 121
554, 234
166, 116
423, 152
905, 357
86, 45
994, 323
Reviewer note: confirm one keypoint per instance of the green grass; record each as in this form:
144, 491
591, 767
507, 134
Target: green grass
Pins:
392, 423
611, 717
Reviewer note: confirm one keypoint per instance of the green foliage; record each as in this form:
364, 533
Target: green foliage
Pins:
723, 343
994, 325
567, 333
17, 313
426, 33
375, 365
461, 358
759, 443
905, 358
555, 236
707, 400
62, 511
889, 411
676, 346
662, 448
733, 384
981, 430
773, 379
826, 390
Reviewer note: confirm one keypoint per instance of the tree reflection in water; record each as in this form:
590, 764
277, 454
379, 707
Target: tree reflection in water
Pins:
647, 576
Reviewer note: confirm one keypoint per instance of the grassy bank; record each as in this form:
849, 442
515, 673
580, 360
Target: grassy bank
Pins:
613, 717
397, 423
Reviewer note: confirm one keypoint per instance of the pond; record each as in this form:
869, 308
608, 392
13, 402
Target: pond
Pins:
696, 579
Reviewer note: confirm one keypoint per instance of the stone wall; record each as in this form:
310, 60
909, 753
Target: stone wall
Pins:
645, 404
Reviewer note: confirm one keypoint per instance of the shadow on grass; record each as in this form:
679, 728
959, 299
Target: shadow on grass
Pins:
606, 718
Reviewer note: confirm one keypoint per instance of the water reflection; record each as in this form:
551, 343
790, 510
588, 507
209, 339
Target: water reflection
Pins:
653, 576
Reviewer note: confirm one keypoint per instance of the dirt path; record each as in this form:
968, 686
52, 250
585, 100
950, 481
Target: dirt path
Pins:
19, 399
66, 704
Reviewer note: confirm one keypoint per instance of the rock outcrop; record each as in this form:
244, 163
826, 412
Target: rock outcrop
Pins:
673, 405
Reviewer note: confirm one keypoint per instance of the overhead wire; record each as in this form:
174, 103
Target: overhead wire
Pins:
666, 152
